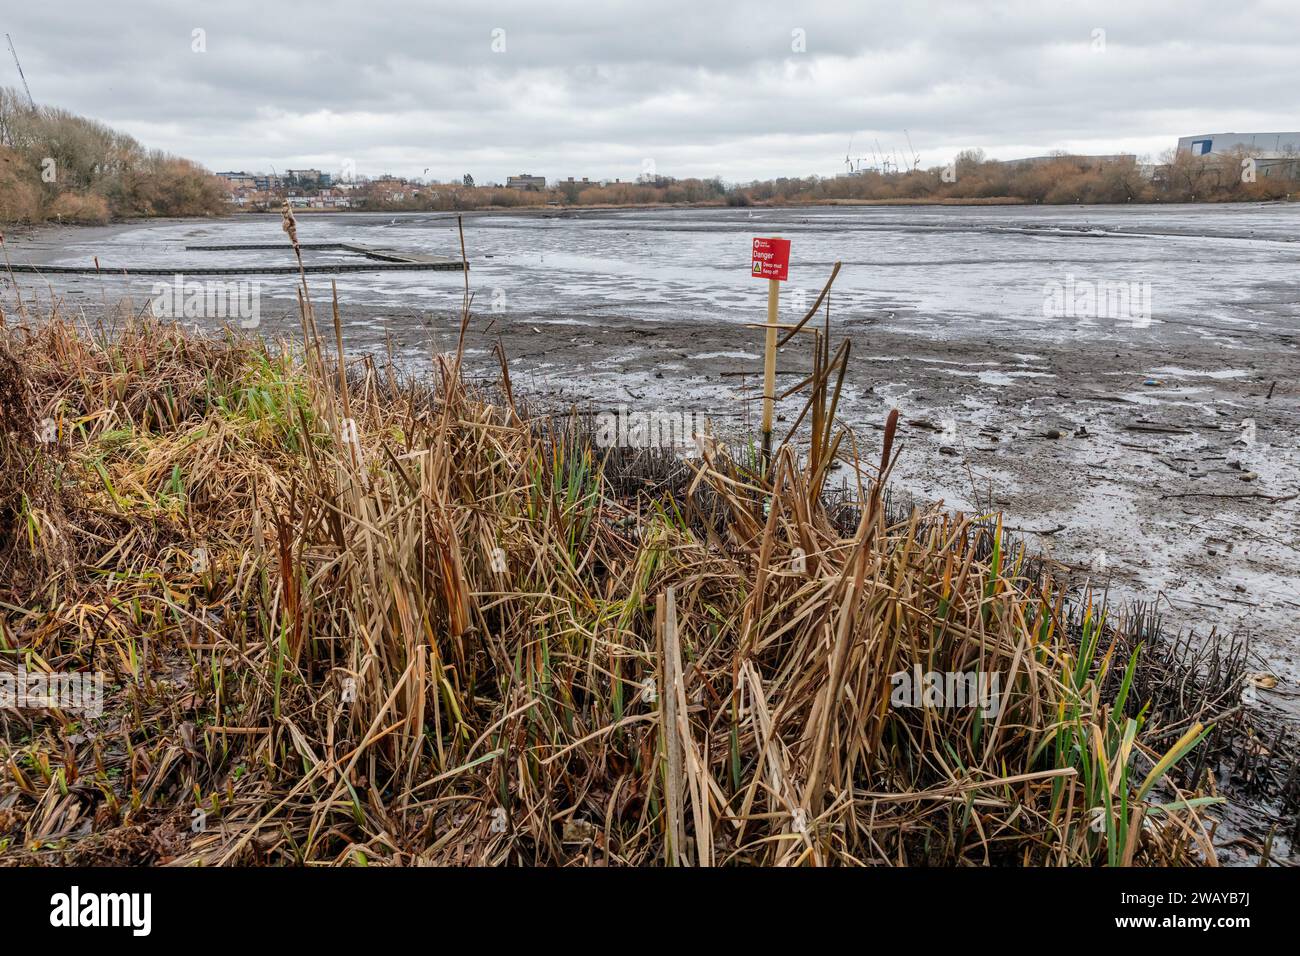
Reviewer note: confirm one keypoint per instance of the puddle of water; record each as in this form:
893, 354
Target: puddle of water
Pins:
1200, 373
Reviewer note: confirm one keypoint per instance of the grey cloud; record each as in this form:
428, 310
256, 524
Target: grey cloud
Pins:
702, 88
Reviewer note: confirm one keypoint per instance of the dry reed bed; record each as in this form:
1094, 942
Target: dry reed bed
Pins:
349, 619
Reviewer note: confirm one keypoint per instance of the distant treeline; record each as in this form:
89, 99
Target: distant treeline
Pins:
55, 165
1063, 179
1057, 180
447, 197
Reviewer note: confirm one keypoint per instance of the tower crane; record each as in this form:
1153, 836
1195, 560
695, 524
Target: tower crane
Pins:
26, 88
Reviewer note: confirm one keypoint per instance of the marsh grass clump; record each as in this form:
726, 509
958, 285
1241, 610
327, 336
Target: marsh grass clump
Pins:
18, 437
31, 547
347, 618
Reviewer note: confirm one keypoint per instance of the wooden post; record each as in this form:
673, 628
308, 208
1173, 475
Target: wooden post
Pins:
769, 371
669, 686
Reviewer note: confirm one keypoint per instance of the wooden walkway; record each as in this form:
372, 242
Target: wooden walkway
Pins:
380, 260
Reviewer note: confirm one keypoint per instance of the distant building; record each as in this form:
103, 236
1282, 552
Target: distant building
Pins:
1269, 145
526, 181
307, 177
239, 180
325, 199
1106, 159
1275, 155
1278, 167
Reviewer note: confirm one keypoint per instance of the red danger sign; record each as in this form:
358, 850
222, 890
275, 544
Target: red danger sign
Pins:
772, 259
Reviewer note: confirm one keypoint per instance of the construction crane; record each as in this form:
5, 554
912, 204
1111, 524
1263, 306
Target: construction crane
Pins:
848, 153
31, 102
916, 157
884, 161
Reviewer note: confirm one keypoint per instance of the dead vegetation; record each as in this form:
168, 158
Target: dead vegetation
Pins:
348, 618
56, 166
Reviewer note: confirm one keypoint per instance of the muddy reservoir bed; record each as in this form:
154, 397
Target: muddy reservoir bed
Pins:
1158, 458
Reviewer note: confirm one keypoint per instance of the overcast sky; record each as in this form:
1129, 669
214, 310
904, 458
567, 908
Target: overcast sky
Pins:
741, 90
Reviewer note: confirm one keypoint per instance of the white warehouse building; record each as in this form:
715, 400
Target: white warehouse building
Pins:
1267, 144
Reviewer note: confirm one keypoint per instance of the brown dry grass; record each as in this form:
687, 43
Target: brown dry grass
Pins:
293, 577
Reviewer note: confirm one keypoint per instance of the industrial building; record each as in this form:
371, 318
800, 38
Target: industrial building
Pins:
526, 182
1276, 155
1266, 144
1077, 158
